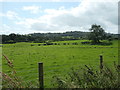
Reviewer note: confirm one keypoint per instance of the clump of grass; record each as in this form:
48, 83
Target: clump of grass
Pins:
11, 80
90, 78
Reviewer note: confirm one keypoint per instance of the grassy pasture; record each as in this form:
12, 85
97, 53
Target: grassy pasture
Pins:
57, 59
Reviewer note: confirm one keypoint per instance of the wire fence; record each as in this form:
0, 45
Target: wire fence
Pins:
34, 73
42, 70
31, 74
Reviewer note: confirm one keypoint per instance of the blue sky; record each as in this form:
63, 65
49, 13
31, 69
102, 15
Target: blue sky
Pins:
18, 7
43, 17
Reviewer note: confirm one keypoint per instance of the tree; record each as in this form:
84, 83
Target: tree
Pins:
97, 33
12, 36
109, 38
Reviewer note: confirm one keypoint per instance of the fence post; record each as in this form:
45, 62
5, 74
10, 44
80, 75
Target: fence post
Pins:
41, 80
101, 62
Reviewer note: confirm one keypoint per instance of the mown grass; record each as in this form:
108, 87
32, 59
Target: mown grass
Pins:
57, 59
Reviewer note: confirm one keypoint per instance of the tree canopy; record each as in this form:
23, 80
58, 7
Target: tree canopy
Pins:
97, 33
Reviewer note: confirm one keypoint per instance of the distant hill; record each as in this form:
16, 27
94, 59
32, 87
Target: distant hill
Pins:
43, 37
75, 34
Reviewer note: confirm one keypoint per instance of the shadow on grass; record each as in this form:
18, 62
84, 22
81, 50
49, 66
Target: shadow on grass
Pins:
100, 43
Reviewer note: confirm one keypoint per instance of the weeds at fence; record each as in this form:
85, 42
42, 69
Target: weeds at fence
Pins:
89, 78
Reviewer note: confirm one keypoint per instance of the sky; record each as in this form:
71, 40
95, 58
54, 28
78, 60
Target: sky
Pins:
22, 17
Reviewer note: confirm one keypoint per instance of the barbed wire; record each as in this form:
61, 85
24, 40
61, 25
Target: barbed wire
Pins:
31, 74
27, 70
56, 66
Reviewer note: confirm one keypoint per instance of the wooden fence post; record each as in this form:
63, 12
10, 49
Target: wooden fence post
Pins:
41, 79
101, 62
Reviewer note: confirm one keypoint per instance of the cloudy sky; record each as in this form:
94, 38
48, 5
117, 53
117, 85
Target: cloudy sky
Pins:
57, 16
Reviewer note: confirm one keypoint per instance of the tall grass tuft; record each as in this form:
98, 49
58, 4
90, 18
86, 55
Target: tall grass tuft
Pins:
88, 77
11, 80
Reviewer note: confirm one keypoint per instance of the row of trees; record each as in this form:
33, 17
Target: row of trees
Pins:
96, 34
13, 38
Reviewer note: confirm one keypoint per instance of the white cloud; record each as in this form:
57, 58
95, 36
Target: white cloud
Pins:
78, 18
10, 15
1, 14
55, 0
5, 29
8, 29
32, 9
40, 0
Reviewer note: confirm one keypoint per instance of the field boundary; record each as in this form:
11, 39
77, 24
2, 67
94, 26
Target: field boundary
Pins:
41, 71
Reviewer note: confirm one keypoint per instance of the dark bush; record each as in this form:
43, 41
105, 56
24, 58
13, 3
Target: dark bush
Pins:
64, 43
48, 43
39, 44
85, 42
32, 44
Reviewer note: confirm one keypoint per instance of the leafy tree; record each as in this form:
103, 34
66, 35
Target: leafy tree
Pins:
97, 33
12, 36
109, 38
5, 38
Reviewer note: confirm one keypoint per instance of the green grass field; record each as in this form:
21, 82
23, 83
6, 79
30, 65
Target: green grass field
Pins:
57, 59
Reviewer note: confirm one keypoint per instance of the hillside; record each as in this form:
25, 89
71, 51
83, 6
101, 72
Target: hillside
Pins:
43, 37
